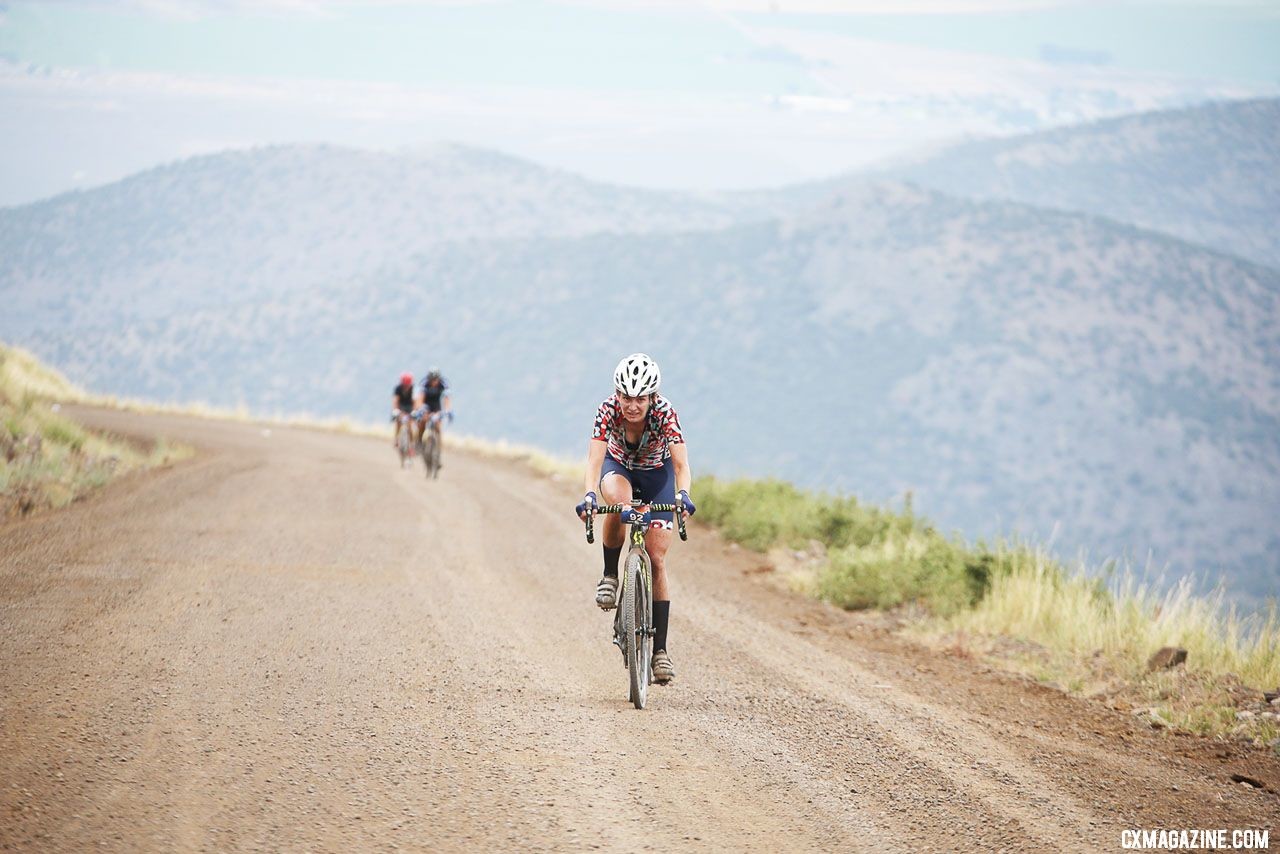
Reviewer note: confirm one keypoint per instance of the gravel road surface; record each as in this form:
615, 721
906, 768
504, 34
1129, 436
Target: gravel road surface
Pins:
288, 643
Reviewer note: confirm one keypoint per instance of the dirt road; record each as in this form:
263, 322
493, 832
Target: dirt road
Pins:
288, 643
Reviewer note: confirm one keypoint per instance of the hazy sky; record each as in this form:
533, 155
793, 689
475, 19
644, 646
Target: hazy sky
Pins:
715, 94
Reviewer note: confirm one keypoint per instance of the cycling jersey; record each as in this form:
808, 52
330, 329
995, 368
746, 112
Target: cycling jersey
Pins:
433, 395
661, 431
404, 397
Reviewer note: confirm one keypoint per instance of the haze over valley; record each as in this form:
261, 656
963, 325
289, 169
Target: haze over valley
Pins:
1106, 376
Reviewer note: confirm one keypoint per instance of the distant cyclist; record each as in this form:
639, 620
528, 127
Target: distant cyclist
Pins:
401, 402
436, 404
637, 448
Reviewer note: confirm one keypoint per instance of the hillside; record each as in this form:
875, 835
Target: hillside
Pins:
1208, 174
1016, 369
271, 221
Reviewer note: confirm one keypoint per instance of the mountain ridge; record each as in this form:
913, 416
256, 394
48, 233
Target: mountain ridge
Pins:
1000, 361
1207, 174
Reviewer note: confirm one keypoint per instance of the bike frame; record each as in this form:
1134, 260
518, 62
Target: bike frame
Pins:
639, 671
430, 443
404, 435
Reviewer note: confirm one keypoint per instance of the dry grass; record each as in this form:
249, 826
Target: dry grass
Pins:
1125, 620
1093, 635
22, 375
1014, 605
556, 468
46, 459
536, 459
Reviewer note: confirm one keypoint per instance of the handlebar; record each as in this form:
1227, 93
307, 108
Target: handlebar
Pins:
433, 417
678, 509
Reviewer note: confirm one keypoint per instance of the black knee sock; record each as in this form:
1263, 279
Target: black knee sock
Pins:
661, 611
611, 561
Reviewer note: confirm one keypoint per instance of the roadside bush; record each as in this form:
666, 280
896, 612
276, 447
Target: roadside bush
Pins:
945, 576
756, 514
62, 431
761, 514
876, 557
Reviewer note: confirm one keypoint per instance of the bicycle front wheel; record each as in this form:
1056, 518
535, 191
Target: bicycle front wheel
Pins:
429, 455
637, 607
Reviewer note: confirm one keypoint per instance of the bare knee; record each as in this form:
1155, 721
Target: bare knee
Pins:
615, 489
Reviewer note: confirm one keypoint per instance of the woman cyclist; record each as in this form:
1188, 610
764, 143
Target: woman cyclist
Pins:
637, 449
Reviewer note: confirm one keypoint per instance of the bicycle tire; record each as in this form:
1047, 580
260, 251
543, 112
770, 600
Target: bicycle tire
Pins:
403, 446
430, 455
635, 628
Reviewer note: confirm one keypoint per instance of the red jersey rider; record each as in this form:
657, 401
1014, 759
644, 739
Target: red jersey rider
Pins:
637, 448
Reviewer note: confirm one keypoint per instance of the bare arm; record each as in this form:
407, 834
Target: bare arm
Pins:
595, 461
680, 458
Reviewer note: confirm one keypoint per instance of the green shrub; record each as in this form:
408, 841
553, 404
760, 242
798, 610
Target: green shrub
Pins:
924, 568
60, 431
756, 514
876, 558
92, 477
761, 514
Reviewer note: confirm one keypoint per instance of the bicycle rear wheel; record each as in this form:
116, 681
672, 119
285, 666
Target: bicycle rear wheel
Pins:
636, 608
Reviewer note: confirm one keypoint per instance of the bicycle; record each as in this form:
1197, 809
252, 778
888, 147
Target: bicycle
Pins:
404, 436
633, 628
430, 447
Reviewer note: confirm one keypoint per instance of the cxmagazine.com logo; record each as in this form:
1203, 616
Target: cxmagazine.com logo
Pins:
1196, 840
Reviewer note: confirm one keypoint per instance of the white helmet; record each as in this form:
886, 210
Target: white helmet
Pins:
637, 375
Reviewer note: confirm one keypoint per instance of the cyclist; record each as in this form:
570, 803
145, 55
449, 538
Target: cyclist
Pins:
435, 403
401, 402
637, 448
